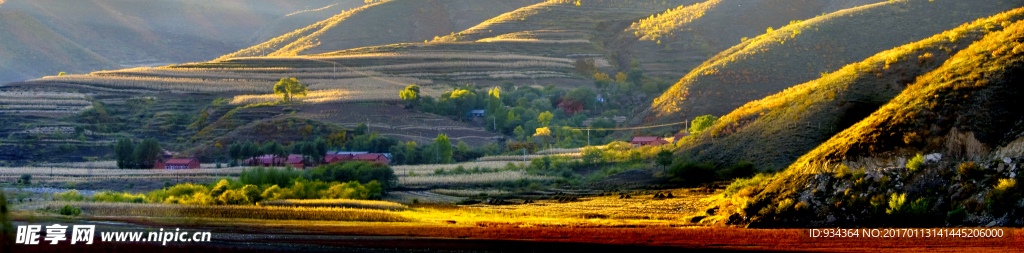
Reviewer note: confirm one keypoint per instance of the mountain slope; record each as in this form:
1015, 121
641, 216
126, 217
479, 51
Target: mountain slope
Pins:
385, 22
773, 132
50, 53
962, 110
802, 51
159, 31
301, 19
674, 42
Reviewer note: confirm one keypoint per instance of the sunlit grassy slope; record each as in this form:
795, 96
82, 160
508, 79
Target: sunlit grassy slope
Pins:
773, 132
381, 23
963, 109
804, 51
672, 43
28, 49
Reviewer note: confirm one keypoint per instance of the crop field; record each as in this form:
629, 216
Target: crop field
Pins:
350, 203
426, 169
78, 172
520, 158
408, 197
46, 104
470, 179
395, 121
470, 193
235, 212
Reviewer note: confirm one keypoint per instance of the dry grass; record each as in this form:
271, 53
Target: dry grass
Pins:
350, 203
234, 212
519, 158
470, 193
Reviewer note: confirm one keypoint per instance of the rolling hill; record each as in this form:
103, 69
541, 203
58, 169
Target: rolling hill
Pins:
773, 132
51, 52
301, 19
672, 43
961, 112
805, 50
381, 23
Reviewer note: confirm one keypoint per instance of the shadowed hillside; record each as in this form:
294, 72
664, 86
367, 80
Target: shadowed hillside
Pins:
50, 54
805, 50
381, 23
132, 33
773, 132
674, 42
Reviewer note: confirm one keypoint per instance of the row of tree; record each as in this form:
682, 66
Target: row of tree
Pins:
141, 156
313, 152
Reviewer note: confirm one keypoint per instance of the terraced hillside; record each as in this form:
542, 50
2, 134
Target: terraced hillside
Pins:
773, 132
966, 114
51, 53
806, 50
672, 43
381, 23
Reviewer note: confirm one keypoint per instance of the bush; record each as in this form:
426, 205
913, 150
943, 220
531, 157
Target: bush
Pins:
914, 164
118, 197
362, 172
758, 180
25, 179
70, 210
71, 195
269, 176
1004, 196
689, 173
969, 170
740, 170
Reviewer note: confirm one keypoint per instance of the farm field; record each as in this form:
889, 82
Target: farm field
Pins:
603, 220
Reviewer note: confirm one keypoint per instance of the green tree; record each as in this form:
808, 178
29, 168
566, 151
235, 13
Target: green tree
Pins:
444, 148
701, 123
320, 146
520, 133
360, 129
235, 151
7, 232
147, 153
274, 148
123, 151
288, 88
664, 158
411, 94
545, 118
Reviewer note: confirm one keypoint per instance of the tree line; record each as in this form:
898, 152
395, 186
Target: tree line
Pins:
141, 156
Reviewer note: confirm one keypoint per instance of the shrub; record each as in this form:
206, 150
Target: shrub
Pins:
1004, 196
914, 164
269, 176
740, 170
233, 197
117, 197
71, 195
355, 171
758, 180
25, 179
969, 170
69, 210
689, 173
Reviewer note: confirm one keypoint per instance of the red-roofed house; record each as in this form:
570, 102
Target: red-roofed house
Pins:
640, 141
679, 136
373, 158
337, 158
178, 164
271, 160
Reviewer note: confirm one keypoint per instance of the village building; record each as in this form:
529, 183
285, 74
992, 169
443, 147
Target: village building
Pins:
178, 164
640, 141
